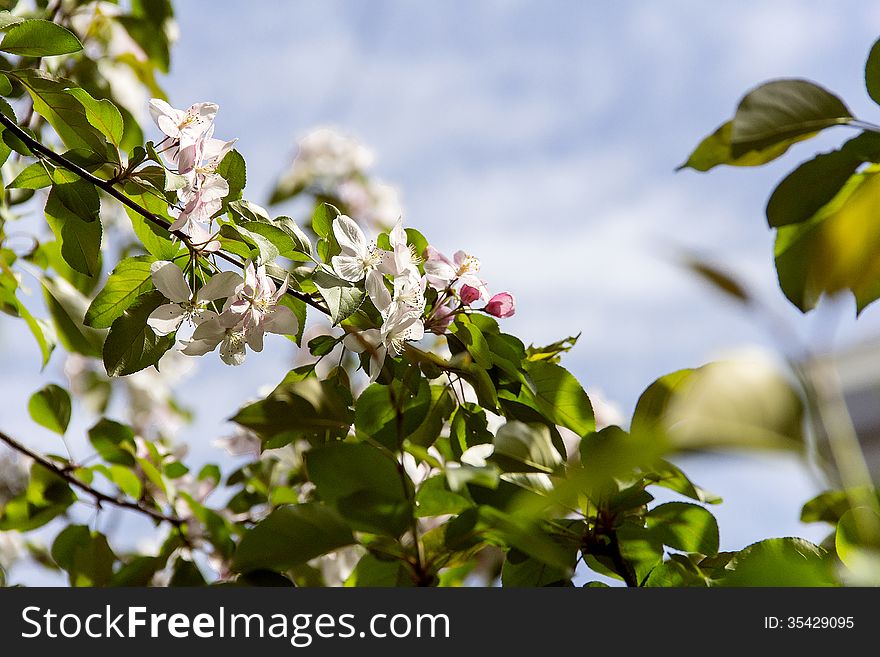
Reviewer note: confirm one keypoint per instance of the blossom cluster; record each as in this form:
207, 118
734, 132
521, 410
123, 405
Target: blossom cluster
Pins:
190, 148
251, 309
396, 286
232, 312
334, 165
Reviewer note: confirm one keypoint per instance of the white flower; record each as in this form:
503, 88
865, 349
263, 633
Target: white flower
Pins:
360, 260
403, 259
211, 333
185, 127
250, 313
400, 325
170, 281
462, 270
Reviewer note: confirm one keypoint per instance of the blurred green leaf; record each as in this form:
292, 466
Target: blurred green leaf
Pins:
114, 442
685, 527
291, 535
780, 562
50, 407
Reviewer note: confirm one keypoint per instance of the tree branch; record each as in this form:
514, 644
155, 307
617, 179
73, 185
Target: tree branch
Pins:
109, 187
99, 497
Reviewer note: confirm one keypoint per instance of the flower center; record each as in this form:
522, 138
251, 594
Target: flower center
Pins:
470, 265
373, 257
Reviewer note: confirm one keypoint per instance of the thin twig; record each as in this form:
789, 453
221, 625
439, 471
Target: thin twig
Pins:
66, 474
109, 187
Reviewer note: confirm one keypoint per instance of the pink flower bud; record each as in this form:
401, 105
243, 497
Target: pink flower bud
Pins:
469, 294
501, 305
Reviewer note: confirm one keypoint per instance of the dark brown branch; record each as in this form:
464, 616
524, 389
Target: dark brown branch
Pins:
66, 474
109, 187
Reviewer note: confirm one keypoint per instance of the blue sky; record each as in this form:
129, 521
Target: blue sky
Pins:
542, 137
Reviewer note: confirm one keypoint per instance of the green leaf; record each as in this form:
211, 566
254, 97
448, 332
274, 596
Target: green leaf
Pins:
126, 283
47, 497
63, 112
527, 535
669, 476
85, 555
71, 212
322, 219
375, 415
434, 498
857, 536
297, 409
43, 333
114, 442
559, 396
685, 527
79, 198
342, 297
521, 447
39, 38
744, 404
101, 114
781, 110
806, 189
126, 480
156, 240
872, 72
363, 484
67, 307
234, 170
35, 176
717, 149
131, 345
50, 408
322, 345
290, 536
836, 248
780, 562
264, 247
7, 20
371, 571
472, 339
520, 570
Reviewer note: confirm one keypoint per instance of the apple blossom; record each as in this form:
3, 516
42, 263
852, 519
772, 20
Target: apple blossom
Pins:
211, 333
400, 325
168, 278
256, 310
403, 259
501, 305
463, 268
185, 127
360, 260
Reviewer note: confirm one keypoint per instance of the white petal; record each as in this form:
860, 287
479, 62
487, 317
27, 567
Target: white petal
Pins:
377, 360
168, 279
255, 338
232, 351
379, 294
199, 347
211, 330
282, 321
348, 267
166, 318
398, 235
214, 187
159, 107
221, 285
349, 235
361, 341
